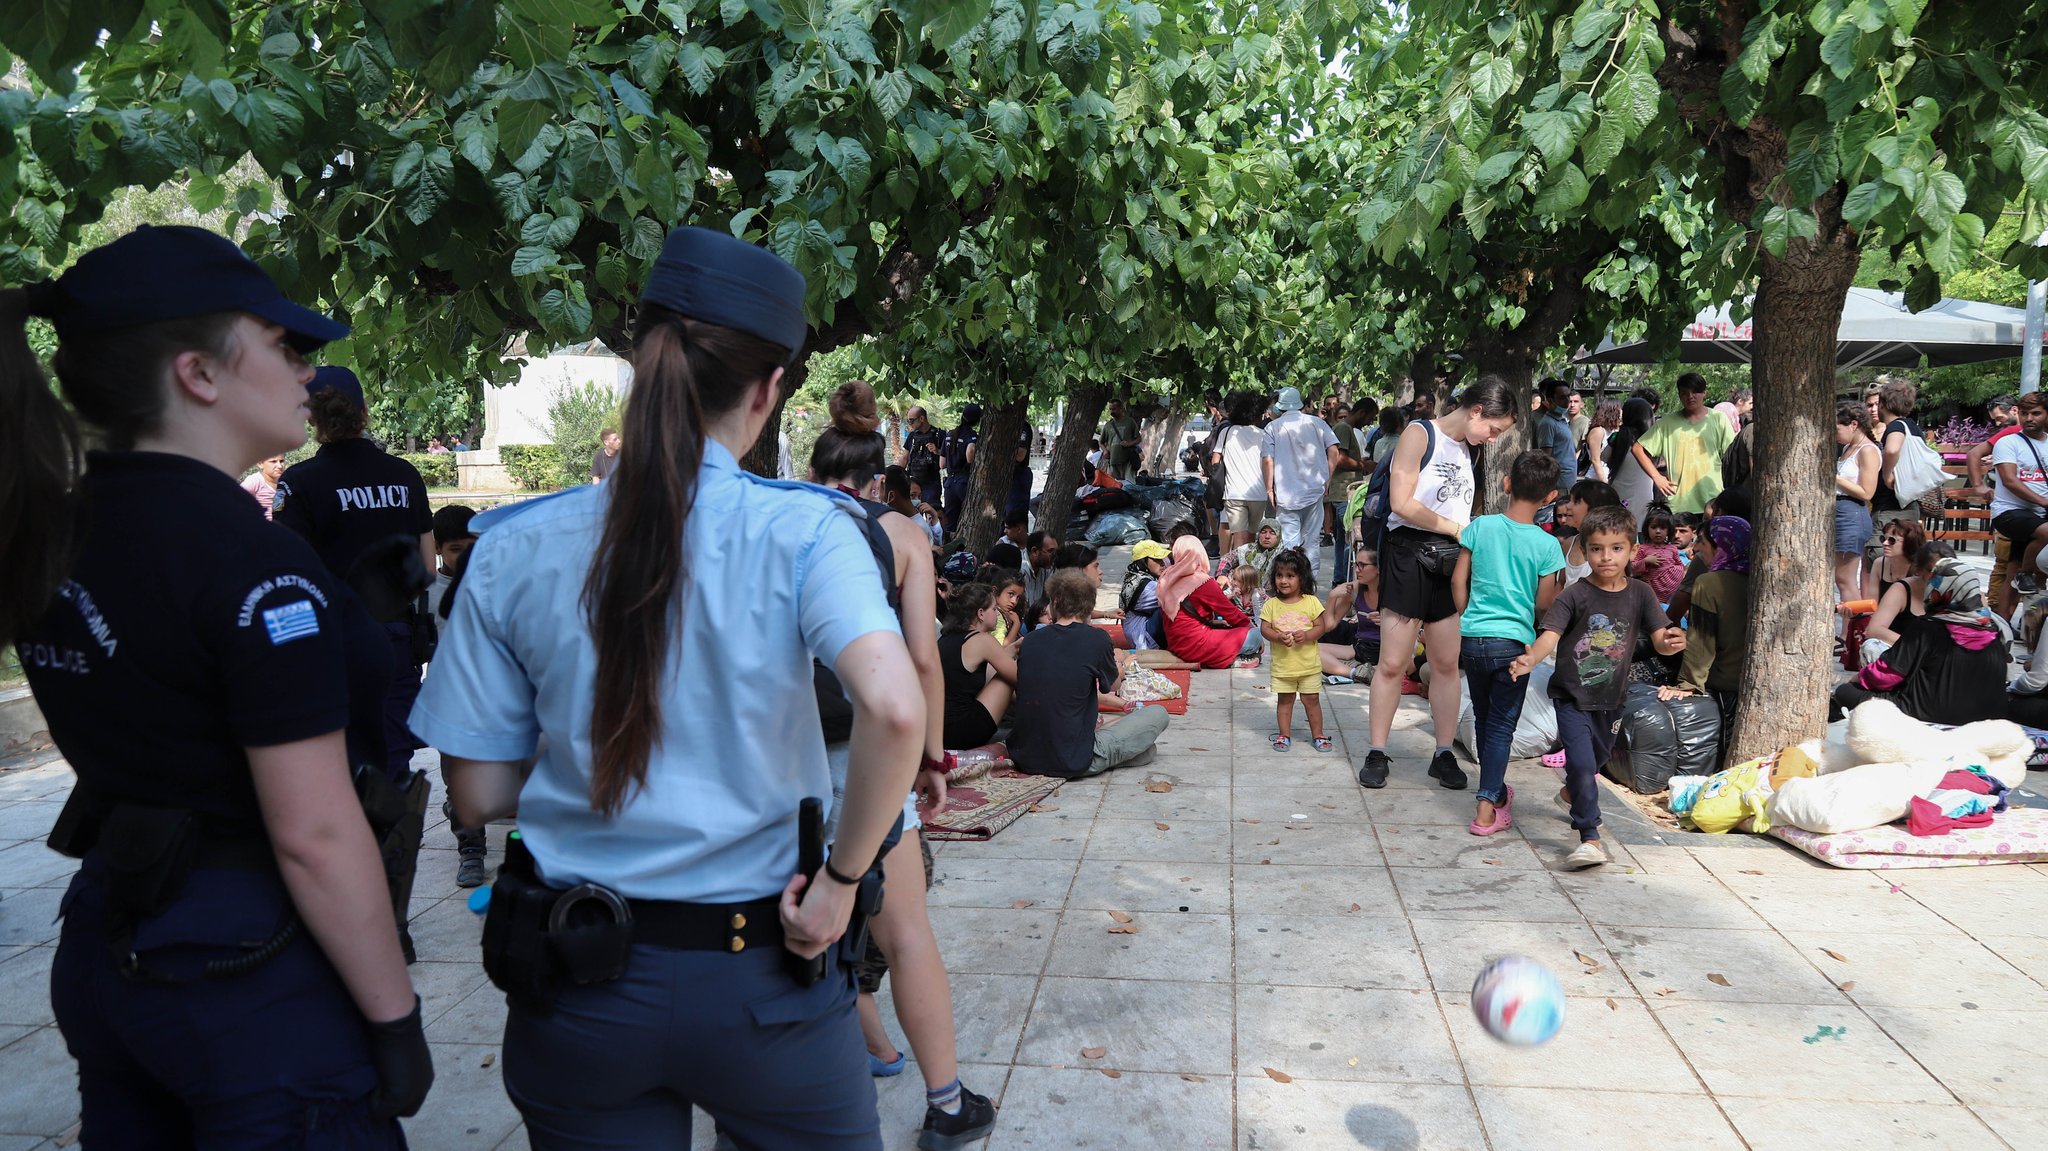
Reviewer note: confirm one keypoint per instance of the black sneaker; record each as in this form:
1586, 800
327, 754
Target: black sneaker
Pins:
943, 1132
1373, 772
1443, 767
405, 947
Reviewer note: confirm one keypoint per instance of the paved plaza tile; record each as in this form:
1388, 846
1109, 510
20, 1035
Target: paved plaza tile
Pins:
1301, 971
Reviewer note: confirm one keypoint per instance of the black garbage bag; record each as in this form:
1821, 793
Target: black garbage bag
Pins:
1646, 749
1696, 720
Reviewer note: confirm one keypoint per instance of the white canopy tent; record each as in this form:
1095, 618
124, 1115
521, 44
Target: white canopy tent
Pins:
1876, 331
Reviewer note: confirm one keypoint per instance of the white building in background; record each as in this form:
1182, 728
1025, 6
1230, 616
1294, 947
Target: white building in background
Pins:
517, 413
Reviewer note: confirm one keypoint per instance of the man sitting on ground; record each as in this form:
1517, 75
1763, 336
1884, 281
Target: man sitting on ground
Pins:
1066, 672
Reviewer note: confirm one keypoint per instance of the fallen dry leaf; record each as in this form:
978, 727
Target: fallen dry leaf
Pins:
1187, 879
1112, 1072
1265, 861
1120, 916
1194, 1078
1020, 903
1159, 787
1493, 863
1272, 843
1251, 819
1837, 956
1356, 907
1849, 986
1198, 749
1751, 871
1094, 1052
1717, 979
1613, 1006
1667, 990
1124, 929
1279, 1076
70, 1135
1586, 959
489, 1058
1163, 826
1327, 806
1044, 807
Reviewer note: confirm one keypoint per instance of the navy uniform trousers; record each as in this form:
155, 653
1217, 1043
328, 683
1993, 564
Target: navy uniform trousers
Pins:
276, 1057
778, 1067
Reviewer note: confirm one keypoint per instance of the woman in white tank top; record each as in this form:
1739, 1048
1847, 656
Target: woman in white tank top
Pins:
1431, 489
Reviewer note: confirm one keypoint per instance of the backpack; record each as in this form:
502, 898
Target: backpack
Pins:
1917, 472
1372, 515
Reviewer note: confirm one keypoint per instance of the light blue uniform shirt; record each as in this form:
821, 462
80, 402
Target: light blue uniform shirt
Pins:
779, 572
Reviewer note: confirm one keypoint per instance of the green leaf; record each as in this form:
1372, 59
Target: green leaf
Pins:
922, 145
1838, 49
631, 98
477, 139
529, 260
1865, 201
699, 65
1496, 168
947, 21
1492, 78
281, 46
891, 94
509, 192
44, 223
611, 271
1923, 291
642, 239
650, 60
406, 168
1812, 163
1781, 225
519, 124
565, 312
436, 177
274, 124
1567, 189
1950, 251
1940, 200
1601, 146
1555, 134
853, 164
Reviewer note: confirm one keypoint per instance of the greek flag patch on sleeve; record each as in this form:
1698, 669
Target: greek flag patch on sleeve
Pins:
295, 620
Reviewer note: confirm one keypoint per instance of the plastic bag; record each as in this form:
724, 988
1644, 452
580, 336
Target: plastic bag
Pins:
1737, 799
1685, 791
976, 761
1858, 799
1144, 685
1535, 732
1645, 755
1113, 528
1169, 511
1696, 720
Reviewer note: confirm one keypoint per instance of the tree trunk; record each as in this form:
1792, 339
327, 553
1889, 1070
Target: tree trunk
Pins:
1070, 457
763, 457
988, 484
1520, 375
1785, 685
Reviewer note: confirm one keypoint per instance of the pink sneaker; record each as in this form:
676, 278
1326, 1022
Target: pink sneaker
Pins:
1503, 818
1555, 759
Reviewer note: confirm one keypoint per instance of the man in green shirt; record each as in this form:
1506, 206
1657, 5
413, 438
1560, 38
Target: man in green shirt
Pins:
1120, 442
1690, 441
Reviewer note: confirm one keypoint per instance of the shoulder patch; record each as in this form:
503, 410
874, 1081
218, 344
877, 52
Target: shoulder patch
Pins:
295, 620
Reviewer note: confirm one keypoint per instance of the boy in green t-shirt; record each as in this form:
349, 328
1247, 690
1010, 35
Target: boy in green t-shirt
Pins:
1506, 577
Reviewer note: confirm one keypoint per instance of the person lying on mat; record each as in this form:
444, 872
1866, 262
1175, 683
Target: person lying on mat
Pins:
1066, 673
980, 675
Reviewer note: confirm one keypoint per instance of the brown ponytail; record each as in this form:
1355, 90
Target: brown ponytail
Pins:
684, 373
851, 448
39, 463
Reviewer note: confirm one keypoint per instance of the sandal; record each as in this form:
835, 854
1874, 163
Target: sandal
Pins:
1332, 679
1503, 818
1322, 742
1554, 759
1280, 742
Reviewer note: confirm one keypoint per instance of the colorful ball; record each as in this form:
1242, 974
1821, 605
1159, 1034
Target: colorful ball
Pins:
1518, 1001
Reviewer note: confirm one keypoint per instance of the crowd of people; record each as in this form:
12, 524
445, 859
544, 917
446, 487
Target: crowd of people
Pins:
692, 909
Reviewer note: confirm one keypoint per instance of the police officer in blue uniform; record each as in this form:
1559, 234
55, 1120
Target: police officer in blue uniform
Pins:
228, 973
659, 631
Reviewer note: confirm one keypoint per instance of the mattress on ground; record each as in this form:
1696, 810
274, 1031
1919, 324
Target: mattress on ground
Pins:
2016, 835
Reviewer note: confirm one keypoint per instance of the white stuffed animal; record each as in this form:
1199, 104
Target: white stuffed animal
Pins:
1880, 733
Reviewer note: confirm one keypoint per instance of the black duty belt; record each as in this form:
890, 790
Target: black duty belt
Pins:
727, 927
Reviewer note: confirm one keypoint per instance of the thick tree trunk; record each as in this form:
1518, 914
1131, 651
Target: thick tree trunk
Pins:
988, 484
1070, 457
1520, 375
1784, 693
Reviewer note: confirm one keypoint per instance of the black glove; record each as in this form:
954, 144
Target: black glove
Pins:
405, 1069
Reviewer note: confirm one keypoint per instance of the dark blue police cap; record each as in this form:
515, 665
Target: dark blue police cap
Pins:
329, 378
710, 276
168, 273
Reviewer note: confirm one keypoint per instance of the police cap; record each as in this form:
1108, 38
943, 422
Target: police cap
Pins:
713, 277
158, 273
339, 380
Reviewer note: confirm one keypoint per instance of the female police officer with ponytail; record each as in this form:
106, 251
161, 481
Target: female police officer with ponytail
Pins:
659, 631
228, 972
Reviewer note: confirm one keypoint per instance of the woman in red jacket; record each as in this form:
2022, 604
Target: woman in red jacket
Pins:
1202, 625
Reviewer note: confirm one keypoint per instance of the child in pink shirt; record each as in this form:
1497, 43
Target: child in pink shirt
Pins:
1657, 561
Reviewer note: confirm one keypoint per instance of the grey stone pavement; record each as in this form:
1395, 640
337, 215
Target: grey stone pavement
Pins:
1300, 973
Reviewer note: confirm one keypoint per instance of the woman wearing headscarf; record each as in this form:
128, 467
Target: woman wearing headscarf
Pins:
1717, 640
1629, 467
1258, 554
1202, 625
1953, 673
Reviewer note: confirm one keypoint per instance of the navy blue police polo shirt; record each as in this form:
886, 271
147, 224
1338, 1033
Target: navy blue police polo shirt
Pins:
189, 629
350, 495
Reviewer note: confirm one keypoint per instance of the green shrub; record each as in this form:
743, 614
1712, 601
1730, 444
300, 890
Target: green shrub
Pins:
437, 468
535, 467
577, 416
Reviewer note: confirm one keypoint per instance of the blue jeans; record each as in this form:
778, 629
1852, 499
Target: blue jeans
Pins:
1496, 707
1588, 740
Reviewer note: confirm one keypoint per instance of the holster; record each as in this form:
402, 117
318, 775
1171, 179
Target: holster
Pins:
538, 940
398, 819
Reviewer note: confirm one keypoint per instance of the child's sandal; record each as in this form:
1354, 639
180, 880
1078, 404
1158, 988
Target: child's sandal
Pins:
1322, 742
1281, 742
